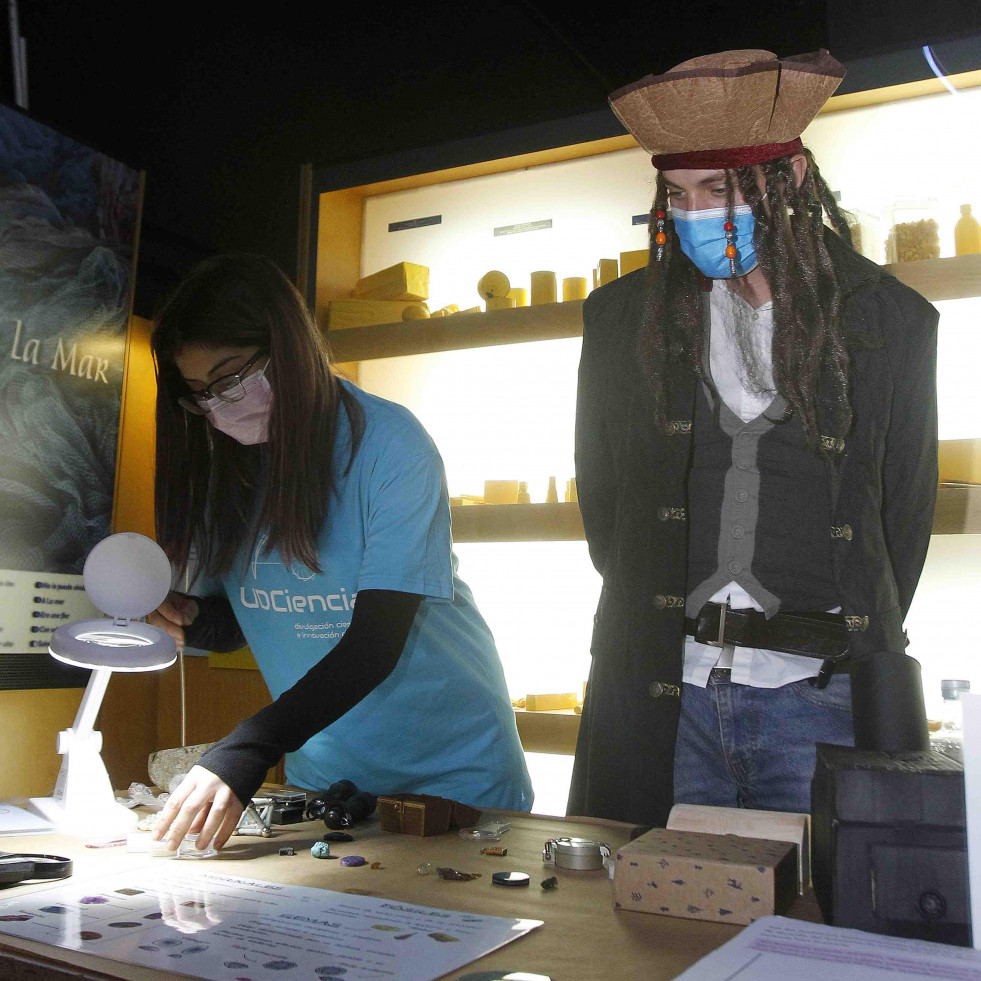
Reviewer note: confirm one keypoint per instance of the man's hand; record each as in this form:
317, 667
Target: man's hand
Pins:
175, 613
203, 803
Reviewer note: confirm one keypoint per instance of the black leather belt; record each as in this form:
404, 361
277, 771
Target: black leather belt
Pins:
820, 635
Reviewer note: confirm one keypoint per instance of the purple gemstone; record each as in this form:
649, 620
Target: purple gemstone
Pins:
351, 861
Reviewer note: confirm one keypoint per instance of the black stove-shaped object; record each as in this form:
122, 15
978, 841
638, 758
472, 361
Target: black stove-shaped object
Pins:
890, 850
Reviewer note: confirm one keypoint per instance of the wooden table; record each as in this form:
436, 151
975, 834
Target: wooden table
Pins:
583, 937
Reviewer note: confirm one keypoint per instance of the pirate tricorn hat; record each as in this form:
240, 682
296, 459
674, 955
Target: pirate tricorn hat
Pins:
730, 109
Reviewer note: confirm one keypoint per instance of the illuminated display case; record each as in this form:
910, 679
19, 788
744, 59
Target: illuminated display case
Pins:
496, 390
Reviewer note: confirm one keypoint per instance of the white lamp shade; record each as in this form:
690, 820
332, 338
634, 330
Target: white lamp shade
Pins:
103, 644
127, 575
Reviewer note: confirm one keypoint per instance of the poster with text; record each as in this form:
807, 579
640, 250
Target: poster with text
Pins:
68, 233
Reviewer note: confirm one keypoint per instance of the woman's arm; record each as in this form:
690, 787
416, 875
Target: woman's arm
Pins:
215, 627
363, 658
205, 622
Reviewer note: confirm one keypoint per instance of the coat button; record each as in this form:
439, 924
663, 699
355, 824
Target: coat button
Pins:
660, 602
671, 428
655, 689
742, 495
846, 532
663, 514
737, 531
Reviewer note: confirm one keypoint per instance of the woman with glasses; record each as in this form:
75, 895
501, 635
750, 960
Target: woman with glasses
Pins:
321, 513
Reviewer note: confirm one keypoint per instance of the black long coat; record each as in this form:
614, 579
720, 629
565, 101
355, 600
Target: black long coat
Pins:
631, 479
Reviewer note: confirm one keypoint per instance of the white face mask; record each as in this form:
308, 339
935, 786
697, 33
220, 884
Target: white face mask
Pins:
246, 420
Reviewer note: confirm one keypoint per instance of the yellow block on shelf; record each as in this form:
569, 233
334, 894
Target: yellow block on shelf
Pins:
500, 491
574, 288
500, 303
960, 461
550, 703
629, 261
403, 281
520, 296
605, 272
342, 314
465, 500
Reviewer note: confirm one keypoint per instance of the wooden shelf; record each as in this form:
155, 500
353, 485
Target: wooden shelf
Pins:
548, 732
953, 278
517, 523
546, 322
958, 512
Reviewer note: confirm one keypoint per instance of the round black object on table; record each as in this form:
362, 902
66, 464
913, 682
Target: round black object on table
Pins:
18, 867
511, 878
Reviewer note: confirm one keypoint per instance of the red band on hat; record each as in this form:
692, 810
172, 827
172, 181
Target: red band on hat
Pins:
738, 156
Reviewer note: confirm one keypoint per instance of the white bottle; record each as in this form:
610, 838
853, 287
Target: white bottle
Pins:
949, 738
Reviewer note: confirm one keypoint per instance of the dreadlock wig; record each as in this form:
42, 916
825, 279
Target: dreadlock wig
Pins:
808, 341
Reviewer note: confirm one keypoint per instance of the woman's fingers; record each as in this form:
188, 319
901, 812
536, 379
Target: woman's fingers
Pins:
229, 824
202, 804
174, 803
174, 613
197, 802
155, 619
225, 808
179, 608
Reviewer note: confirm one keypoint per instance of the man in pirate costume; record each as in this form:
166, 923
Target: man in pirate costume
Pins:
756, 462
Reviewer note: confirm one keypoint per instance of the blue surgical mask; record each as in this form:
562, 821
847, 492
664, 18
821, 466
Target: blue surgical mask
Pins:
703, 239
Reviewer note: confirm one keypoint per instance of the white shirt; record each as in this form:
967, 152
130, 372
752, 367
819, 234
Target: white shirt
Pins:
750, 665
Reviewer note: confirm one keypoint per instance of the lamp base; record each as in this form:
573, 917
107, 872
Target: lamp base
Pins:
102, 819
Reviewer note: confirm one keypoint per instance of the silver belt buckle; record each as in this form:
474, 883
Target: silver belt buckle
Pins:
724, 609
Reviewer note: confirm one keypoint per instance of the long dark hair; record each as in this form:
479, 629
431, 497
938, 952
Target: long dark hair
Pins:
808, 339
212, 492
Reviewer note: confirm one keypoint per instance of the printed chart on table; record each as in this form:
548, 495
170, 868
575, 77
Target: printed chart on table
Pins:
228, 928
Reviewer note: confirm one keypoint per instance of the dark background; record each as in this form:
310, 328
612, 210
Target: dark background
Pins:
221, 104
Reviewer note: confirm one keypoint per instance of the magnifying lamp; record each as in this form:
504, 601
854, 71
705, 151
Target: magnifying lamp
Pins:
126, 576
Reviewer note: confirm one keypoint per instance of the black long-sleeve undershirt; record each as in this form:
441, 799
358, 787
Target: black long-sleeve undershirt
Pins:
363, 658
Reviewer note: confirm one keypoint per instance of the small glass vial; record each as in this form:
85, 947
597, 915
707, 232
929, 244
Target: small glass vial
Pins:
949, 738
188, 849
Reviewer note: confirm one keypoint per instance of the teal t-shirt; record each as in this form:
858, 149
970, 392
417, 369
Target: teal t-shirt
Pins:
442, 722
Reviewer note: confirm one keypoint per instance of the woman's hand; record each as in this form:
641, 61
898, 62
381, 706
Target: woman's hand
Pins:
175, 613
204, 804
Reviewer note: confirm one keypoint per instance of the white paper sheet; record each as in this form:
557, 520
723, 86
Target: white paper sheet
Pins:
17, 821
226, 928
775, 948
972, 796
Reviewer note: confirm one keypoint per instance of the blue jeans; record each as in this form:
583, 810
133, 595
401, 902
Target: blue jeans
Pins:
740, 746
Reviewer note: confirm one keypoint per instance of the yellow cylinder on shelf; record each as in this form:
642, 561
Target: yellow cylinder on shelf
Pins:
500, 492
571, 492
629, 261
520, 296
499, 303
543, 288
574, 288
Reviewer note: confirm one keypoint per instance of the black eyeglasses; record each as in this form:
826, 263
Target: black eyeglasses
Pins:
228, 388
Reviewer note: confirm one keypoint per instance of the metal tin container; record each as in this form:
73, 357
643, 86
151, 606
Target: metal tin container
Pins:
578, 854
